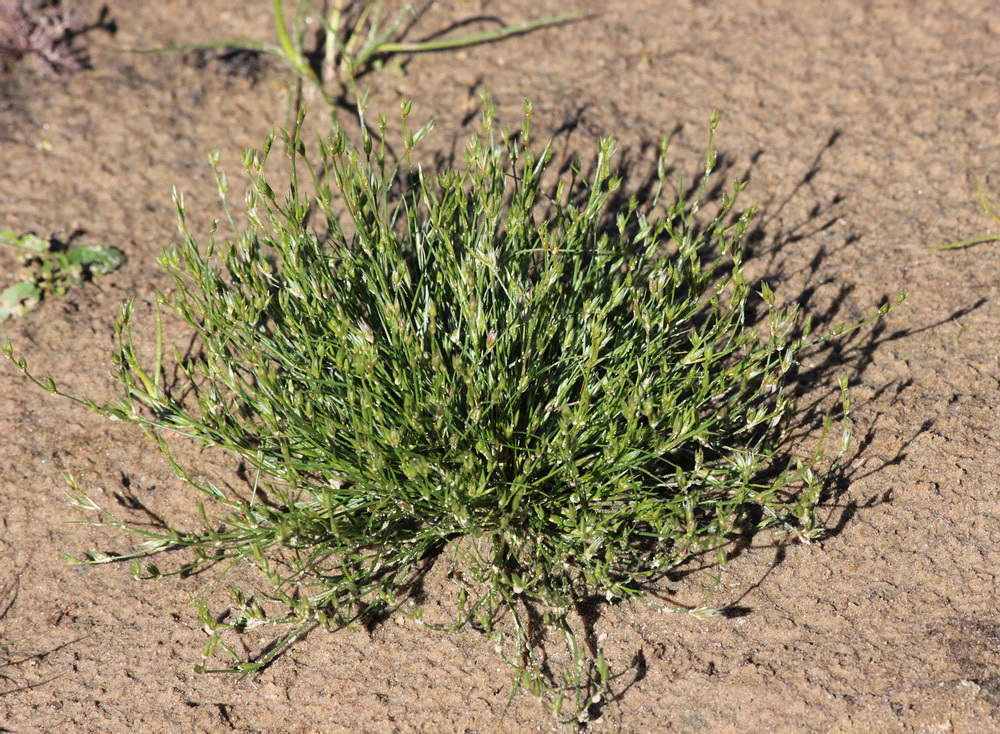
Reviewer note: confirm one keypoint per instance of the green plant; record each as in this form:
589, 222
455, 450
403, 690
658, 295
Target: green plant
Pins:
52, 270
992, 208
356, 38
560, 399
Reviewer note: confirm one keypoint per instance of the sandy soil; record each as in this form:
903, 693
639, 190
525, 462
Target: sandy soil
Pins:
863, 127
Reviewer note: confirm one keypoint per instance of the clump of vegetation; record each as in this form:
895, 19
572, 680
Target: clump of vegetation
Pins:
487, 367
332, 49
43, 29
50, 269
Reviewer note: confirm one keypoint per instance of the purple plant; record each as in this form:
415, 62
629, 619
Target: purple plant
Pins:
41, 28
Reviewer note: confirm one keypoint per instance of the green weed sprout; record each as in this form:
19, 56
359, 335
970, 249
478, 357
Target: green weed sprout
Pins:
52, 270
560, 399
356, 38
992, 208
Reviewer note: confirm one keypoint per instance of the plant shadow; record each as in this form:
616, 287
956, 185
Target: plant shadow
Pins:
850, 354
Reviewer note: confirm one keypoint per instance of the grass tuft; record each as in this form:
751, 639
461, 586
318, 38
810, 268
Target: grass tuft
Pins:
561, 399
354, 39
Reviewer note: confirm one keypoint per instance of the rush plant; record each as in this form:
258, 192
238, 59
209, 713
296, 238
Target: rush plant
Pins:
354, 38
490, 367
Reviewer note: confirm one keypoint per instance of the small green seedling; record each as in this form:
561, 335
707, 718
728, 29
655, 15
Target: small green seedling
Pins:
992, 208
355, 38
50, 271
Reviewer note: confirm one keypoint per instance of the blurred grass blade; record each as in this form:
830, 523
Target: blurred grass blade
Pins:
992, 208
477, 38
